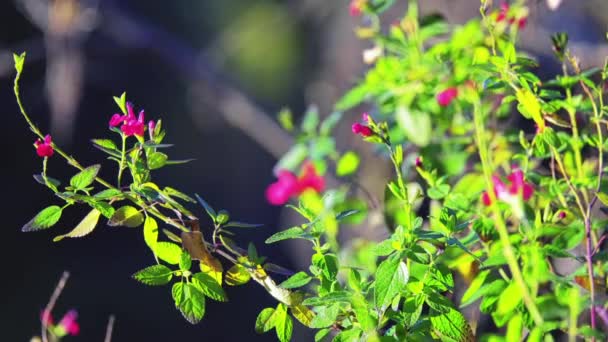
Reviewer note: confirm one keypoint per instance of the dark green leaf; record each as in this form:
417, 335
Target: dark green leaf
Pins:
241, 225
209, 286
452, 325
156, 160
291, 233
206, 206
297, 280
391, 277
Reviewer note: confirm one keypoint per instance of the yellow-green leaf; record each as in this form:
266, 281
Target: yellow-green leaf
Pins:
127, 216
237, 275
85, 226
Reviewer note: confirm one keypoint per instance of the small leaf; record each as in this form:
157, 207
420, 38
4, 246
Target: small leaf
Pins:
207, 207
176, 193
127, 216
151, 233
603, 198
348, 164
326, 316
85, 177
121, 102
44, 219
265, 321
104, 208
452, 325
241, 225
154, 275
168, 252
105, 143
297, 280
156, 160
85, 226
19, 60
209, 286
302, 314
40, 179
509, 299
237, 275
346, 214
291, 233
284, 324
109, 194
185, 262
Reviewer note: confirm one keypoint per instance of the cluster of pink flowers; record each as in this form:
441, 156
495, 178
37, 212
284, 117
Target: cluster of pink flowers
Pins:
445, 97
505, 192
44, 148
288, 185
67, 325
131, 125
503, 14
362, 129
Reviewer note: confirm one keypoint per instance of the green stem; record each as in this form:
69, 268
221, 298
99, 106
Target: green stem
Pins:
501, 226
121, 165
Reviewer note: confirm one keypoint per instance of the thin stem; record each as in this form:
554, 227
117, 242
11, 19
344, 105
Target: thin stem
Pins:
51, 304
109, 329
121, 165
500, 223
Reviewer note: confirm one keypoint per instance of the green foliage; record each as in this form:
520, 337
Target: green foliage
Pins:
45, 219
154, 275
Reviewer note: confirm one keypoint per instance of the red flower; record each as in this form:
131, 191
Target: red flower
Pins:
517, 187
362, 130
130, 124
418, 161
446, 97
69, 324
44, 149
503, 14
288, 185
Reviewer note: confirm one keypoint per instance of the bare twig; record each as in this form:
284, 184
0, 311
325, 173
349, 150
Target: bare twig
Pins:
109, 329
51, 304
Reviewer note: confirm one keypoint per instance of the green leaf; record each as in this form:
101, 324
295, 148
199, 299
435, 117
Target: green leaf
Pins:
321, 334
391, 277
284, 324
44, 219
345, 214
438, 192
265, 321
237, 275
297, 280
354, 97
154, 275
236, 224
176, 193
509, 299
311, 120
348, 164
190, 302
350, 335
52, 181
108, 194
452, 326
85, 177
332, 297
328, 263
185, 261
363, 311
105, 143
206, 206
19, 61
122, 102
156, 160
603, 198
127, 216
326, 316
302, 314
529, 106
85, 226
168, 252
416, 126
291, 233
209, 286
151, 233
473, 292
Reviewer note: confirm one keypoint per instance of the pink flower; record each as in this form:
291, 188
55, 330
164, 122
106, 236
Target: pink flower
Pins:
288, 185
44, 149
521, 23
69, 324
446, 97
279, 192
502, 14
517, 187
130, 124
355, 8
365, 117
418, 161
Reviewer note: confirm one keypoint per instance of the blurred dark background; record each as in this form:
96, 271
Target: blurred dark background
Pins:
215, 72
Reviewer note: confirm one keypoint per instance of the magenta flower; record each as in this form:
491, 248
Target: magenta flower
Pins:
418, 161
288, 185
44, 149
503, 14
130, 124
446, 97
355, 8
516, 188
69, 324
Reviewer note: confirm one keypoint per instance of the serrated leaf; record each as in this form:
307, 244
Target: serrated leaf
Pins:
347, 164
104, 208
237, 275
452, 326
105, 143
154, 275
297, 280
191, 302
168, 252
328, 263
391, 277
83, 228
84, 178
127, 216
326, 316
209, 286
151, 233
265, 321
284, 324
291, 233
45, 219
